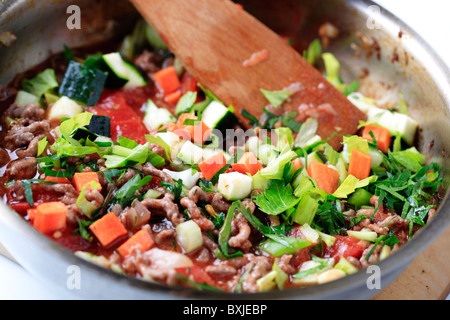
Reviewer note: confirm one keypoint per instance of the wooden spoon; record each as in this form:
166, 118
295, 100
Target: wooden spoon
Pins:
234, 55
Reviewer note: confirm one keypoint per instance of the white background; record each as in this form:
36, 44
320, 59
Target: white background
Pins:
429, 18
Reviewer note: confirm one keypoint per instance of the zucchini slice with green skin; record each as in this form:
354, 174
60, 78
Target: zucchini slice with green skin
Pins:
120, 72
217, 116
123, 70
99, 126
82, 83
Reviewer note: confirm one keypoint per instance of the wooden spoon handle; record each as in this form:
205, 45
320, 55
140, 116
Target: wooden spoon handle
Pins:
214, 39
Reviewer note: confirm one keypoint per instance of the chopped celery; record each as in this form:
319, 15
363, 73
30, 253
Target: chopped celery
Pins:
359, 198
277, 97
410, 158
354, 142
24, 98
285, 139
306, 209
274, 169
42, 83
281, 276
385, 252
330, 275
364, 234
346, 266
307, 132
341, 167
310, 234
329, 240
278, 246
267, 282
152, 194
259, 182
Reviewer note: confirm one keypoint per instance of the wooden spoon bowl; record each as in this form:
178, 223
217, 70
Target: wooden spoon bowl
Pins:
234, 55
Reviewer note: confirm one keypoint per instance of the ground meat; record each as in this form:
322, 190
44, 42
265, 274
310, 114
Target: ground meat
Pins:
165, 238
219, 203
374, 257
4, 157
150, 170
285, 264
261, 266
197, 193
165, 206
196, 215
241, 239
155, 264
208, 243
23, 132
68, 193
95, 197
159, 150
25, 168
31, 150
215, 199
30, 112
220, 271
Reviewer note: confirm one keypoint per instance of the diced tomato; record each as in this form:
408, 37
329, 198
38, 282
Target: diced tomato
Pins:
20, 207
131, 129
301, 256
345, 246
137, 97
198, 274
125, 121
114, 105
188, 83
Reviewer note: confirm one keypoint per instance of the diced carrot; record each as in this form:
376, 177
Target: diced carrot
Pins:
141, 240
57, 179
240, 6
183, 117
50, 216
248, 163
183, 134
31, 213
381, 134
297, 164
360, 163
108, 229
167, 80
210, 166
197, 133
173, 97
327, 178
81, 179
171, 127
